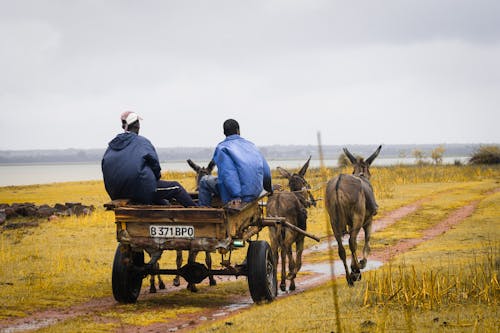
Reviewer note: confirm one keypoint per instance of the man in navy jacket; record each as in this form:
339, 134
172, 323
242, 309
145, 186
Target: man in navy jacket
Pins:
242, 170
131, 169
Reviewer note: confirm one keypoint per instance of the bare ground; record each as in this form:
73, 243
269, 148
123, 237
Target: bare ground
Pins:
185, 322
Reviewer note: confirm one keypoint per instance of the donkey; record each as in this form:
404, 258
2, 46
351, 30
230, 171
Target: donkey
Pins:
291, 205
200, 172
351, 205
161, 285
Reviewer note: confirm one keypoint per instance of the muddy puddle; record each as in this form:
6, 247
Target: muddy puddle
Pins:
338, 267
323, 271
31, 326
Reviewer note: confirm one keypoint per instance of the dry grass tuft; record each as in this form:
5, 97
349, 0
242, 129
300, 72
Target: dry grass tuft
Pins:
474, 283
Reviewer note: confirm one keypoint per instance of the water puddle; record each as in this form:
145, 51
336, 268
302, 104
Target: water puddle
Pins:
324, 271
33, 325
338, 267
228, 309
238, 306
325, 245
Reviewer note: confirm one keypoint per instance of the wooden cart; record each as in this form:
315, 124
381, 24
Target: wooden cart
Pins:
154, 229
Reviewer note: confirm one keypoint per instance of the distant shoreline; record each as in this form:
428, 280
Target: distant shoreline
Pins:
24, 174
273, 152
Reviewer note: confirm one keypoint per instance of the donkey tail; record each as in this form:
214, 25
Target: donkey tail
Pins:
337, 206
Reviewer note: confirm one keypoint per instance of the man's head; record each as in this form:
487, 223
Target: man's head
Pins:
130, 121
231, 127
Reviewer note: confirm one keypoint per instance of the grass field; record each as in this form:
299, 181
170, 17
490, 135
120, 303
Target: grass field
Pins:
448, 284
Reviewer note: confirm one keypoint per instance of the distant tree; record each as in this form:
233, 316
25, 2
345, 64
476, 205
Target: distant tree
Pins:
486, 155
419, 156
437, 155
343, 161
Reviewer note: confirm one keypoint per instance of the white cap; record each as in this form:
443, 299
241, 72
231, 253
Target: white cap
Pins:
129, 117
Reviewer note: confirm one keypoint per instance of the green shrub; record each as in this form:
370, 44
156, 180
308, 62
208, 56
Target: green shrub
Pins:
486, 155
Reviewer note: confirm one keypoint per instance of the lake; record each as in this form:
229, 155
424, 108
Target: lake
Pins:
34, 173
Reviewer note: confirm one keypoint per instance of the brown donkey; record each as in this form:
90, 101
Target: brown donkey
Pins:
292, 206
161, 285
200, 172
350, 203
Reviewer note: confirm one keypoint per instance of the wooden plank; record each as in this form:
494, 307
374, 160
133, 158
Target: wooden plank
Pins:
116, 203
160, 214
237, 223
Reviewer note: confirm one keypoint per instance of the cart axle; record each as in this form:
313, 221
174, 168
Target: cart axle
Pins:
196, 272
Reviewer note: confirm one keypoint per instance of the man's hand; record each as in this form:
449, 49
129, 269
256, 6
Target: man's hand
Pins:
277, 187
234, 205
235, 202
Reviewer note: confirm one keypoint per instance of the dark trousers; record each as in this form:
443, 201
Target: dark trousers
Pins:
166, 190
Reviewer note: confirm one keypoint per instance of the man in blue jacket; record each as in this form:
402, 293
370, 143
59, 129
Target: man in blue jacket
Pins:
131, 169
242, 170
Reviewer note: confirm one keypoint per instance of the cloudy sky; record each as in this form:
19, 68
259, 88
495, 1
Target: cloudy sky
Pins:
360, 72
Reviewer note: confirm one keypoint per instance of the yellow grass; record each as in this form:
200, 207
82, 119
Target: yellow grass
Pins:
68, 261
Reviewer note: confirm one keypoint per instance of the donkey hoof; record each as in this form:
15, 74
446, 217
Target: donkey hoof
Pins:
283, 287
192, 288
362, 263
152, 290
177, 282
356, 276
292, 286
213, 282
161, 285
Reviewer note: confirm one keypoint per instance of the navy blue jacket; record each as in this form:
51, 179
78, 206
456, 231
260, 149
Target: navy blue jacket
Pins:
242, 170
131, 168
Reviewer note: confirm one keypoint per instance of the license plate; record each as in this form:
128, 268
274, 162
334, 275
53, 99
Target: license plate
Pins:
171, 231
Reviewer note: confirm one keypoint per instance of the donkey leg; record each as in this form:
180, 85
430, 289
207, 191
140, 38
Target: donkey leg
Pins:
192, 258
283, 269
178, 262
342, 255
152, 288
208, 261
353, 246
299, 248
161, 284
366, 248
291, 267
291, 263
275, 250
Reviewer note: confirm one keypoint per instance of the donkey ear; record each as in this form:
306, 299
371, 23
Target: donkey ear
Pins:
373, 156
350, 156
284, 173
193, 165
210, 166
302, 171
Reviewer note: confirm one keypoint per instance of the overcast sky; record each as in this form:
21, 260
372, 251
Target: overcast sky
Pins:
360, 72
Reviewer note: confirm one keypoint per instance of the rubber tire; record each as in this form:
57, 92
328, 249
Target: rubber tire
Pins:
262, 276
125, 281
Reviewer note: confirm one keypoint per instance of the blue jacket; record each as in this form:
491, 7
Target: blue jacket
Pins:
242, 170
131, 168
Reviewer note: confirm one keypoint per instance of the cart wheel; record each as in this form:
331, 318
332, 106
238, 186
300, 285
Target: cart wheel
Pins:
262, 278
125, 280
